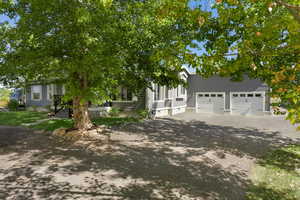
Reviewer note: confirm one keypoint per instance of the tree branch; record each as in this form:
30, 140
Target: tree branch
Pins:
293, 9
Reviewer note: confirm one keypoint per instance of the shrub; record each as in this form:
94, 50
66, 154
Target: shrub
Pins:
114, 112
143, 114
13, 105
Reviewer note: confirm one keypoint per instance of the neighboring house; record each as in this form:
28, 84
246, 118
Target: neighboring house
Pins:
212, 95
18, 95
221, 95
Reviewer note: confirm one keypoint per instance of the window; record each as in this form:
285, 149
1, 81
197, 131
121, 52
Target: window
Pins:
200, 95
250, 95
126, 95
177, 91
182, 90
206, 95
235, 95
220, 95
123, 95
157, 92
50, 92
213, 95
242, 95
258, 95
36, 92
166, 92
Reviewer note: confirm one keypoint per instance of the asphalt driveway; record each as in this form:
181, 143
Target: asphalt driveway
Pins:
186, 157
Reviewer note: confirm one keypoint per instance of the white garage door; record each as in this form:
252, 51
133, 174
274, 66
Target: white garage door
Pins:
247, 103
210, 102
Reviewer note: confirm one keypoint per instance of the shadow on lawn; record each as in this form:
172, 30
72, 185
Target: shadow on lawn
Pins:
149, 169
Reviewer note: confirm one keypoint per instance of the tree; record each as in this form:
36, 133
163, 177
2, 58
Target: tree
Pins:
257, 38
93, 46
4, 94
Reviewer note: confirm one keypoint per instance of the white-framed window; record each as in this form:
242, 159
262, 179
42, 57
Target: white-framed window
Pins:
159, 92
36, 92
123, 94
183, 90
180, 91
50, 92
63, 89
167, 92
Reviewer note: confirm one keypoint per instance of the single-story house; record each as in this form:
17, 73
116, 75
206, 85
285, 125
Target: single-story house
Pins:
160, 100
213, 95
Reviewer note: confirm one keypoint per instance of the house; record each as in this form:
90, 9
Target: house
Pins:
160, 100
213, 95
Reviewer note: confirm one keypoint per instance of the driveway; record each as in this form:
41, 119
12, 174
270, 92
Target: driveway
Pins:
186, 157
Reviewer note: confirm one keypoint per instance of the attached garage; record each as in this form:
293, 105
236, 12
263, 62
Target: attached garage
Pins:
247, 103
213, 102
221, 95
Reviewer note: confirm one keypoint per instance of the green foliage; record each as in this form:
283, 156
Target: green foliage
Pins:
13, 105
277, 176
114, 112
51, 125
143, 114
4, 94
260, 39
95, 46
20, 117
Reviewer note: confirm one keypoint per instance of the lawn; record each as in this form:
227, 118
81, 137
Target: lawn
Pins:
21, 117
51, 125
277, 176
24, 117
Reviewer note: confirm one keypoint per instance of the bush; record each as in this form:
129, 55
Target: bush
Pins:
114, 112
143, 114
13, 105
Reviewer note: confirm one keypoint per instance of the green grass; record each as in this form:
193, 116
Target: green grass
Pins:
277, 176
21, 117
114, 121
51, 125
24, 117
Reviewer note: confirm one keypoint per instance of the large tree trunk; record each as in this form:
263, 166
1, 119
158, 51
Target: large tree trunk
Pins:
82, 120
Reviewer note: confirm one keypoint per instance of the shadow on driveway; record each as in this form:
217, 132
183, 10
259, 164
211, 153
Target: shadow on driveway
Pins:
171, 159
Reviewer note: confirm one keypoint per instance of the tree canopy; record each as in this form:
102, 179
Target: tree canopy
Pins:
257, 38
94, 46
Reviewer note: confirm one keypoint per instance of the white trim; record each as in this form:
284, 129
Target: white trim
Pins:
253, 92
165, 108
52, 91
197, 93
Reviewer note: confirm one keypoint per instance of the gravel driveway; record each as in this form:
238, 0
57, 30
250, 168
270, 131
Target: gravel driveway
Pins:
189, 156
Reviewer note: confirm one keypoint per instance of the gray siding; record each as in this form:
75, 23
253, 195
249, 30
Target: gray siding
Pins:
43, 102
220, 84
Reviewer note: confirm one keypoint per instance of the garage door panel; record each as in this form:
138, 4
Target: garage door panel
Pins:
247, 103
211, 103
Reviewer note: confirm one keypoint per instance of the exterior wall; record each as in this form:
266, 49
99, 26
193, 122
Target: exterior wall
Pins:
43, 102
220, 84
167, 106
